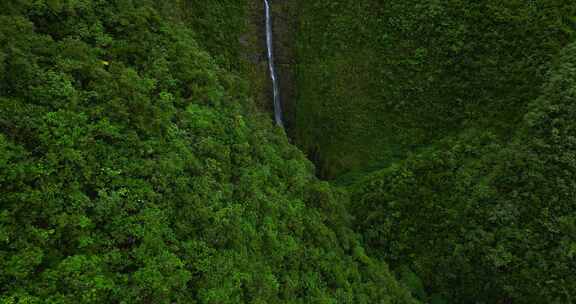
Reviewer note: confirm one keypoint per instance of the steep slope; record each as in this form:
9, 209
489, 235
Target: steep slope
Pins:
482, 221
377, 80
451, 124
134, 169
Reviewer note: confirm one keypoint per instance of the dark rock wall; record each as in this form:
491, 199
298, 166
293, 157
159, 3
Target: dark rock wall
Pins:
285, 29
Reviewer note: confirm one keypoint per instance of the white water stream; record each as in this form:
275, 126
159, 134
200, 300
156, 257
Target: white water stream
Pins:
273, 75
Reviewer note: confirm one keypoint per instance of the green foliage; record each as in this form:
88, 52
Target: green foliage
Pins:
377, 80
472, 210
455, 139
133, 171
134, 168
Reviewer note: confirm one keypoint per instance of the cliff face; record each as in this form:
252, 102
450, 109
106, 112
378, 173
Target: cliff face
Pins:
285, 21
285, 25
254, 51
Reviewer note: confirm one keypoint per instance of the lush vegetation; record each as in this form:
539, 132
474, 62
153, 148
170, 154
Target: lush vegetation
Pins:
134, 169
451, 123
137, 164
378, 79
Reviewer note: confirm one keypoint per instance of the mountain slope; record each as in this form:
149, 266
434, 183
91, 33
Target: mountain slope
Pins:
377, 80
134, 169
472, 210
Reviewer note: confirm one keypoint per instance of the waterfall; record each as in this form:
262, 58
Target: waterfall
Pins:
273, 75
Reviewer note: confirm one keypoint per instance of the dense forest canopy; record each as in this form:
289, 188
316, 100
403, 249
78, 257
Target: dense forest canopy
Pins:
139, 162
451, 123
134, 170
379, 79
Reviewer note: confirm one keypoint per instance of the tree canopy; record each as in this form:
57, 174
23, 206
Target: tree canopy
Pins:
134, 169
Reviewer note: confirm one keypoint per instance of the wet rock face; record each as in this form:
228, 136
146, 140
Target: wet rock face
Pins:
285, 27
285, 23
254, 58
254, 53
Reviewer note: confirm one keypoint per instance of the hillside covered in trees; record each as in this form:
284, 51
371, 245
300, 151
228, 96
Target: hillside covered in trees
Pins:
452, 125
139, 161
135, 169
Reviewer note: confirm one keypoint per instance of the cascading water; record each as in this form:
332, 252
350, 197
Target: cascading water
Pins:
269, 44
